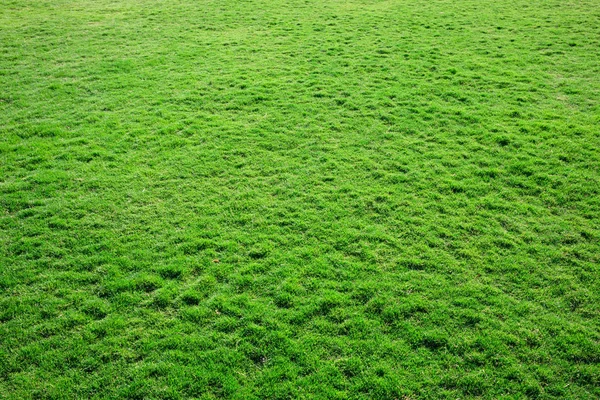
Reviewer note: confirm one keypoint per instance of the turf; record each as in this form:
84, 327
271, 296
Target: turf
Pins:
299, 199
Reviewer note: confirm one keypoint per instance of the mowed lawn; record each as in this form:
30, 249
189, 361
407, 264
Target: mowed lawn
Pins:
320, 199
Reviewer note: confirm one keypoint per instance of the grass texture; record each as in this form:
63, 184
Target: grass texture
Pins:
266, 199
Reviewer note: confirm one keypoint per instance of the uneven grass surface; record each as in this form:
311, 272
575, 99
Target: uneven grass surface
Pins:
299, 199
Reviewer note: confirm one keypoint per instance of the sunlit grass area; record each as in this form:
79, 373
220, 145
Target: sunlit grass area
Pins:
299, 199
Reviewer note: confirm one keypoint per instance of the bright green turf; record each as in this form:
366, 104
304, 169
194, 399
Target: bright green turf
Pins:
299, 199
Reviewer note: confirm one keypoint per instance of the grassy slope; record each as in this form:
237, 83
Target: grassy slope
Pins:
403, 198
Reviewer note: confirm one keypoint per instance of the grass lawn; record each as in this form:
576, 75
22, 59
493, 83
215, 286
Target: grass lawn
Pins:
330, 199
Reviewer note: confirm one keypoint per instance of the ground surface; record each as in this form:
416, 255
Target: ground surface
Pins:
299, 199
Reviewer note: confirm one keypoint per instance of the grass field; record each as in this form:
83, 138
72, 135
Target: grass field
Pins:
255, 199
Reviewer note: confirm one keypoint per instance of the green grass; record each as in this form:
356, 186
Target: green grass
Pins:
255, 199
